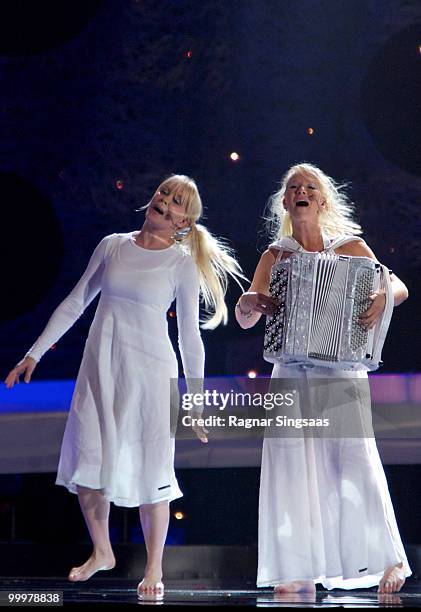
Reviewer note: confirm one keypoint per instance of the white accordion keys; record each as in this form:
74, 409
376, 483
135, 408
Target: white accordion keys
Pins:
321, 296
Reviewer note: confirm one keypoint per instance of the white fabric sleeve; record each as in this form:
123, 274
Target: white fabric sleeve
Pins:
189, 339
73, 305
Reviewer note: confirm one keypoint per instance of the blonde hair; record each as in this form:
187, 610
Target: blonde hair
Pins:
335, 218
214, 259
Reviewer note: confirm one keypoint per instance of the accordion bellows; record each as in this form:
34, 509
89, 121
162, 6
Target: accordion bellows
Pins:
321, 296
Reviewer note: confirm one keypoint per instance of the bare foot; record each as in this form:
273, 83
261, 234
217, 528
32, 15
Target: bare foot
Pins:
298, 586
151, 586
94, 564
393, 579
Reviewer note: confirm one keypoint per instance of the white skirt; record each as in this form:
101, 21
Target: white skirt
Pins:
325, 513
117, 436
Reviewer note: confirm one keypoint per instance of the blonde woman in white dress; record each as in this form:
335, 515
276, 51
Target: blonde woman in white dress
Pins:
310, 530
117, 445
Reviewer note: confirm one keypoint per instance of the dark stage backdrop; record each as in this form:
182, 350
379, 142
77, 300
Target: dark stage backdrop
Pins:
101, 100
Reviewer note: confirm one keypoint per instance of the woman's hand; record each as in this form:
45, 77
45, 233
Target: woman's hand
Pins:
26, 366
201, 433
369, 317
257, 302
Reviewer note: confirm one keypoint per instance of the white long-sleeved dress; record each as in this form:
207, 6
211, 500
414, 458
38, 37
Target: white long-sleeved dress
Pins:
325, 513
117, 436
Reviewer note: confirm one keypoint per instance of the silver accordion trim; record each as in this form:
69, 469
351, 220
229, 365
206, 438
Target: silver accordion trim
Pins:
321, 296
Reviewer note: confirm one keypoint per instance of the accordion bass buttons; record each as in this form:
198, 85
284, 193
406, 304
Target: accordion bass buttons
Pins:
274, 330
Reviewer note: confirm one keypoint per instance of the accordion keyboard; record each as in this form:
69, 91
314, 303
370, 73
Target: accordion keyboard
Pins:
364, 284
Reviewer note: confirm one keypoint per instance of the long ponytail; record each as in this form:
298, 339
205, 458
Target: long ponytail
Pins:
215, 261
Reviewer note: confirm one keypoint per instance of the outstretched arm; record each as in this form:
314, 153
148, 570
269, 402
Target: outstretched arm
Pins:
73, 305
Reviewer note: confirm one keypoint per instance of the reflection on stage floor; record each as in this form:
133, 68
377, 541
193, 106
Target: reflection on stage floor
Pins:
207, 592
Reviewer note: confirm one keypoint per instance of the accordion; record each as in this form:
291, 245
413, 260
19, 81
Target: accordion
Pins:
320, 298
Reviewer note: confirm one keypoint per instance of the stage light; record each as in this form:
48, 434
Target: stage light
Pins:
310, 131
119, 184
189, 54
234, 156
178, 515
252, 373
171, 314
419, 49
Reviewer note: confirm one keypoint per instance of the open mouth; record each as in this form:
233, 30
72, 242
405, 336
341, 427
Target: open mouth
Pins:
302, 203
158, 210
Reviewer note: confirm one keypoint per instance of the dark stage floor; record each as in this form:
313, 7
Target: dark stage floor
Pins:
207, 593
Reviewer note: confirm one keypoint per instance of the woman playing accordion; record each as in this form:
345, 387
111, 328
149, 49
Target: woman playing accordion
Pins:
325, 513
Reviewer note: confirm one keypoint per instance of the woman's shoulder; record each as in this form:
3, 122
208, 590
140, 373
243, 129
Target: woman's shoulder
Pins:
185, 268
350, 245
108, 244
119, 236
184, 258
270, 255
104, 242
115, 237
110, 238
283, 247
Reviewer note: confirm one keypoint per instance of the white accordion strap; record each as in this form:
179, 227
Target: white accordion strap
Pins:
383, 324
288, 243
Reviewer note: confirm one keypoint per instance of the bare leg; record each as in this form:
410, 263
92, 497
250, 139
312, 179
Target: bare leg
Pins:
154, 519
96, 510
298, 586
393, 579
